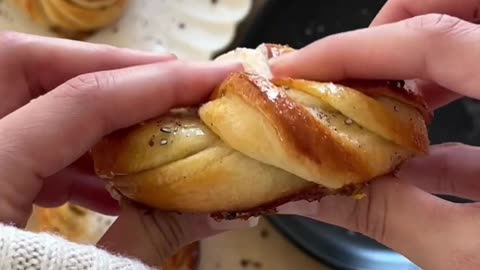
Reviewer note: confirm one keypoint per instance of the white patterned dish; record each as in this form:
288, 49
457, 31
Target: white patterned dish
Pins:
192, 29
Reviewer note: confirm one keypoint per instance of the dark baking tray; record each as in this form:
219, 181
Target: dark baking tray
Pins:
298, 23
337, 247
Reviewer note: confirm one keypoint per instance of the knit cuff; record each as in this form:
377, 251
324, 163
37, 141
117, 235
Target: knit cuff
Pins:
41, 251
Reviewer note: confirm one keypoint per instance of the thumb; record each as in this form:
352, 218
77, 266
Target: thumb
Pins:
153, 236
400, 216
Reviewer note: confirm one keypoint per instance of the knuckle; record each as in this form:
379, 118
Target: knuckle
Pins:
166, 232
81, 89
370, 215
87, 93
172, 70
436, 24
443, 181
86, 86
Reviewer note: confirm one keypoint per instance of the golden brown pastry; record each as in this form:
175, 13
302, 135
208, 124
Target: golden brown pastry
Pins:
260, 142
83, 226
187, 258
72, 222
74, 18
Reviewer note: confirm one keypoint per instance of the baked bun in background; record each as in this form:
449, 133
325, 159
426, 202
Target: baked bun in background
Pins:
84, 226
74, 19
72, 222
261, 141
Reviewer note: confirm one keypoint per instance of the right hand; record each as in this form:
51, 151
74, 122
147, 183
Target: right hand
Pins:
442, 54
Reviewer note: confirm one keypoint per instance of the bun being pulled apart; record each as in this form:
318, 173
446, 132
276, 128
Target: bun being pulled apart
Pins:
260, 142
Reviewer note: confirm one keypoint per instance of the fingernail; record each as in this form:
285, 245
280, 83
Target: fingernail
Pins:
168, 55
253, 222
279, 65
228, 225
114, 193
223, 65
164, 57
230, 66
149, 54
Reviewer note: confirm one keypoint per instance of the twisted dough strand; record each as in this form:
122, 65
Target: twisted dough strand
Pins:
260, 142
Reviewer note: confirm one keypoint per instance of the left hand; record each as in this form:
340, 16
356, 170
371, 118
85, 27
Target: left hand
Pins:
59, 97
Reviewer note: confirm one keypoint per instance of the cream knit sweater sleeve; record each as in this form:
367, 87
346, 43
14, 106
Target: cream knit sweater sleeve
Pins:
22, 250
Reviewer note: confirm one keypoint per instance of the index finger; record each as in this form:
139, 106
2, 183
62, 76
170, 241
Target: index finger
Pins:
39, 64
54, 130
397, 10
48, 62
434, 47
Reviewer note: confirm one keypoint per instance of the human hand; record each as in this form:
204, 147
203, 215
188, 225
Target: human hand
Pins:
153, 236
59, 97
440, 53
397, 10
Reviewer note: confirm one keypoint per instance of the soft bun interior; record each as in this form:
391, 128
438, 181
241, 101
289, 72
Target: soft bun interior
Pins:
253, 61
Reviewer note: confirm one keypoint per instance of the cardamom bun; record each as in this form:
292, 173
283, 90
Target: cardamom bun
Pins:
74, 19
84, 226
262, 141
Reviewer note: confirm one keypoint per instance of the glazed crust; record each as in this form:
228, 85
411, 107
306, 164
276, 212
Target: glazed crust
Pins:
261, 142
181, 165
311, 140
